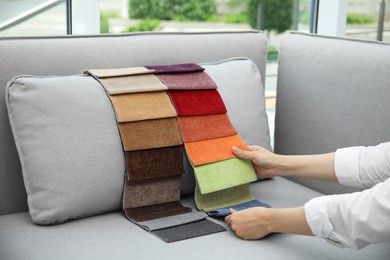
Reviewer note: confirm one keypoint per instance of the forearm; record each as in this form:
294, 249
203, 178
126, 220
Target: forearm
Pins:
290, 220
319, 167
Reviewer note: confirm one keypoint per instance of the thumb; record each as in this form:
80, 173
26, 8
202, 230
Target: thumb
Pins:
232, 210
249, 155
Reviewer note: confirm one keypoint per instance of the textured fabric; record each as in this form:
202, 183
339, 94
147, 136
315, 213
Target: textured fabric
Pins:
154, 163
172, 221
150, 134
176, 68
223, 212
361, 218
224, 174
69, 147
190, 230
142, 106
197, 102
107, 73
198, 128
213, 150
132, 84
151, 192
187, 81
223, 198
156, 211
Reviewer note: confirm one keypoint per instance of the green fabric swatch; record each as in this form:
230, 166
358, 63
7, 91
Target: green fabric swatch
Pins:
223, 198
224, 174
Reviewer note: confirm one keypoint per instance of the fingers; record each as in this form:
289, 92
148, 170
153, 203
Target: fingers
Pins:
249, 155
254, 147
228, 218
232, 211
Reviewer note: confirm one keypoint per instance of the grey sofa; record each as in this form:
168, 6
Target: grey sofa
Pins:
331, 93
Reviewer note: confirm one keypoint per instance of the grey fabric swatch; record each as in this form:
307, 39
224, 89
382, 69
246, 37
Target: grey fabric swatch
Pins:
172, 221
195, 229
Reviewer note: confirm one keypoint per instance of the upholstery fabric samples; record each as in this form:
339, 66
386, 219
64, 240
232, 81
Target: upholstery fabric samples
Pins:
224, 174
190, 230
175, 68
108, 73
151, 192
132, 84
188, 81
223, 198
154, 163
172, 221
213, 150
223, 212
142, 106
198, 128
149, 134
197, 102
156, 211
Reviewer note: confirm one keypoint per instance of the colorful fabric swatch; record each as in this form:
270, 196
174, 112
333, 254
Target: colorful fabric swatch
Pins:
190, 230
142, 106
187, 81
150, 134
156, 211
213, 150
223, 212
154, 163
175, 68
197, 102
198, 128
225, 174
108, 73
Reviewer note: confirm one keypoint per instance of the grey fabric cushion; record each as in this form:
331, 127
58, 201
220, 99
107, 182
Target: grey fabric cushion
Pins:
69, 145
332, 93
111, 236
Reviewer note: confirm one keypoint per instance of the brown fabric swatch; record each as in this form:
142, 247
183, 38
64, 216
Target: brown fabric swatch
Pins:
156, 211
132, 84
154, 163
198, 128
107, 73
188, 81
142, 106
149, 134
151, 192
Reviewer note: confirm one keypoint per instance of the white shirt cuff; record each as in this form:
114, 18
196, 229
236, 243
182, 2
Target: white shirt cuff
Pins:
346, 165
316, 213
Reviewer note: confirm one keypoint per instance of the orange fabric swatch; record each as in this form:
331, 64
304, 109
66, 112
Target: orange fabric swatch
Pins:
198, 128
213, 150
142, 106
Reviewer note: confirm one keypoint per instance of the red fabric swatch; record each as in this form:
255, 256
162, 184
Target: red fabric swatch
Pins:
187, 81
197, 102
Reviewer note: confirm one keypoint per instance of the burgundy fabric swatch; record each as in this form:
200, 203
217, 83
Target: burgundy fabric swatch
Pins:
198, 128
188, 81
151, 192
156, 211
176, 68
197, 102
154, 163
150, 134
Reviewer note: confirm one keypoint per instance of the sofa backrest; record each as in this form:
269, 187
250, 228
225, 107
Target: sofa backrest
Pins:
331, 93
68, 55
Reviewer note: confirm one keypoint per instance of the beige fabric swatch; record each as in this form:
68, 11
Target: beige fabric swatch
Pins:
107, 73
142, 106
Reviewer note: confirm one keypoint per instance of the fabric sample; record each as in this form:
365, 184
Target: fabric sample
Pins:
223, 212
142, 106
223, 198
213, 150
190, 230
197, 102
187, 81
151, 192
154, 163
156, 211
172, 221
107, 73
176, 68
224, 174
198, 128
132, 84
150, 134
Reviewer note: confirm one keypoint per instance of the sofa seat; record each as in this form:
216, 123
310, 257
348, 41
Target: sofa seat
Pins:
112, 236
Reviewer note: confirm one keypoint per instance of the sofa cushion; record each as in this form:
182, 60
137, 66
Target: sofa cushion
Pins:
111, 236
70, 149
